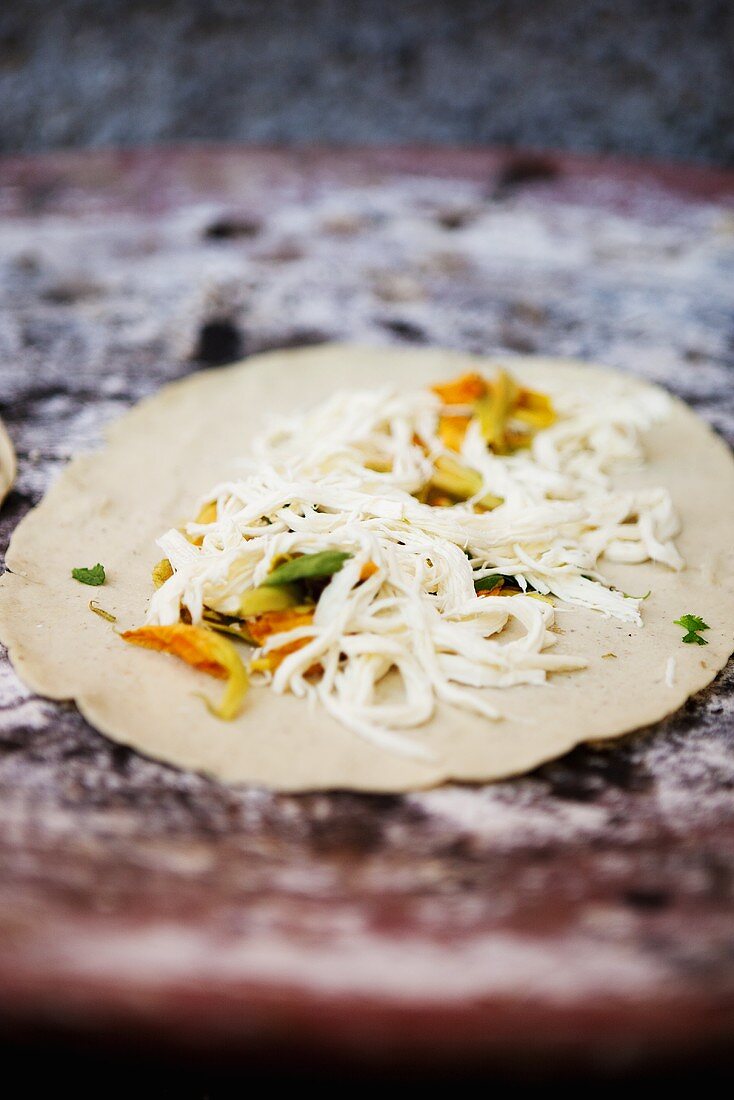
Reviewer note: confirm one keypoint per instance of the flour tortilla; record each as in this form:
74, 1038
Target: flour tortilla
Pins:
111, 505
7, 463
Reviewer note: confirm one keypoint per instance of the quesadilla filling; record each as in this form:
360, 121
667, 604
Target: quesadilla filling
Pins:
388, 552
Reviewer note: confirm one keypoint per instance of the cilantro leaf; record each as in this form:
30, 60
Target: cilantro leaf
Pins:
308, 567
692, 624
95, 575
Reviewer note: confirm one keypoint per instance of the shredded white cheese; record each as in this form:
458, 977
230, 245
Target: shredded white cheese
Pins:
341, 477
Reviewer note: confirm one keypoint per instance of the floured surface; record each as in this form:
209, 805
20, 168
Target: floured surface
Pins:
609, 873
110, 507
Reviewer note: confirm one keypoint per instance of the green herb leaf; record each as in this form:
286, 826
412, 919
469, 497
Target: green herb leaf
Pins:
692, 624
95, 575
488, 584
308, 567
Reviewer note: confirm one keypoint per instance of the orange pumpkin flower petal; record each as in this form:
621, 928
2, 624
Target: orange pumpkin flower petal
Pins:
203, 650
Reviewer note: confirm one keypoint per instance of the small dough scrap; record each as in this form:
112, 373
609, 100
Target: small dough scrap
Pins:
8, 466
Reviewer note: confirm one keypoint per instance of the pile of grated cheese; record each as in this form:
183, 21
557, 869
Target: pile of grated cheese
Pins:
342, 477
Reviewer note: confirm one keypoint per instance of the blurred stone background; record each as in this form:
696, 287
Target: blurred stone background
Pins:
650, 78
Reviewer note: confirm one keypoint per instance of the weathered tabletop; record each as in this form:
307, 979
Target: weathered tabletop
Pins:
581, 914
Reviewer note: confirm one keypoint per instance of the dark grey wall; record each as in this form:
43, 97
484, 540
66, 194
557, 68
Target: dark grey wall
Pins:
644, 78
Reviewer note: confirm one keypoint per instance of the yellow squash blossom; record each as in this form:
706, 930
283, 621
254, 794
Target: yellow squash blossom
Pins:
204, 650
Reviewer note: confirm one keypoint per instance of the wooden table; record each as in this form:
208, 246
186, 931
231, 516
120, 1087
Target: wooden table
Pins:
578, 917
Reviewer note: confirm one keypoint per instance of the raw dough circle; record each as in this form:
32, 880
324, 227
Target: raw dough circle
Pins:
111, 505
